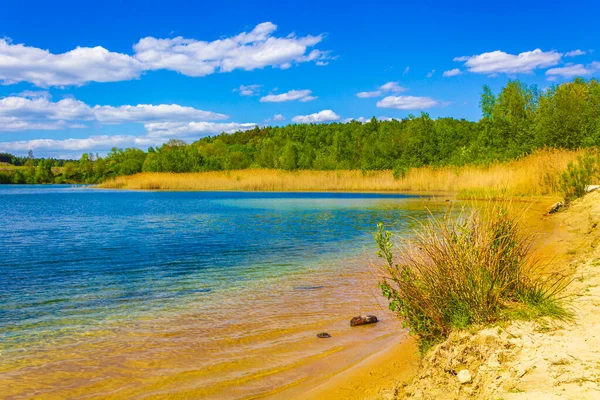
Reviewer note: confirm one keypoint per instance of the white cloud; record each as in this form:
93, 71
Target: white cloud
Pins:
392, 87
19, 63
193, 129
321, 116
501, 62
573, 70
278, 117
245, 51
364, 120
248, 90
13, 124
149, 112
368, 95
41, 108
389, 87
38, 112
452, 72
575, 53
406, 102
430, 73
157, 133
93, 143
406, 70
301, 95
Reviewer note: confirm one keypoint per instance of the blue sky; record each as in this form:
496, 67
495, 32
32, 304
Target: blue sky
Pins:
78, 77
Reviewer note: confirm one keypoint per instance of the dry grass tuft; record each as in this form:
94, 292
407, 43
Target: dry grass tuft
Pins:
467, 268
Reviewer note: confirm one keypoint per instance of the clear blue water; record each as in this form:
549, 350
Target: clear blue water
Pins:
74, 258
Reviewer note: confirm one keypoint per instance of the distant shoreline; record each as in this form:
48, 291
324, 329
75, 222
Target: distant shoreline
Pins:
531, 176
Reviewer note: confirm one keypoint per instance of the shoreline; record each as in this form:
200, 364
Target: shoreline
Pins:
383, 374
373, 377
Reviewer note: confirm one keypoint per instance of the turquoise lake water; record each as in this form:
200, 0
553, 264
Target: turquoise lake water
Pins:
77, 259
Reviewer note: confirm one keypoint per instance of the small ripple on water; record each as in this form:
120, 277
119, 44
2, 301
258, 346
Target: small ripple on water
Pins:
308, 287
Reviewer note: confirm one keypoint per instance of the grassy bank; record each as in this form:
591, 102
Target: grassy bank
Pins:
533, 175
542, 358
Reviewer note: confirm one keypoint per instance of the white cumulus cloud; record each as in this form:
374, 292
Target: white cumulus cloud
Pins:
278, 117
20, 63
364, 120
452, 72
321, 116
149, 112
30, 111
573, 70
157, 134
100, 143
500, 62
300, 95
407, 102
575, 53
193, 129
248, 90
246, 51
390, 87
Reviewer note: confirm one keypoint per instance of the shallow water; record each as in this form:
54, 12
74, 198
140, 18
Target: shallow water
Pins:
203, 294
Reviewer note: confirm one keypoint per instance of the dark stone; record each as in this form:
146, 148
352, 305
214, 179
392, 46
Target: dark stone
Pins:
323, 335
556, 207
363, 320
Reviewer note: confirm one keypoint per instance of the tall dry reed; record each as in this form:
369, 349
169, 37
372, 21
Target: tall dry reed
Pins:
533, 175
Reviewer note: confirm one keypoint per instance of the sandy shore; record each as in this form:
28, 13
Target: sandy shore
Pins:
545, 359
374, 377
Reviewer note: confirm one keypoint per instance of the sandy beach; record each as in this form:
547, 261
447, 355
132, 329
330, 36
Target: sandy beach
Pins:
542, 359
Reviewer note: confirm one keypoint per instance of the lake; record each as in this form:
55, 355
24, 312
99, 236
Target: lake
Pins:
196, 294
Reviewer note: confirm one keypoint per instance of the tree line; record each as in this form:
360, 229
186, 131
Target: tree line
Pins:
515, 121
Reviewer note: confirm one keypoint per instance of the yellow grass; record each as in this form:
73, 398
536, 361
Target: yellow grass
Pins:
533, 175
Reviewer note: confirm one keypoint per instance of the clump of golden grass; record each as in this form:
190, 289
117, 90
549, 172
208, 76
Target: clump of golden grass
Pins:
532, 175
466, 268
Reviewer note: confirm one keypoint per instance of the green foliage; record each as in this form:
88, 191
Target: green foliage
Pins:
577, 177
400, 171
5, 178
465, 269
18, 177
43, 172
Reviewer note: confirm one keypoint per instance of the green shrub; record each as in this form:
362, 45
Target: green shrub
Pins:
462, 269
400, 171
5, 178
577, 177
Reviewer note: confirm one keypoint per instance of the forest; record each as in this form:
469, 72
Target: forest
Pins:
514, 122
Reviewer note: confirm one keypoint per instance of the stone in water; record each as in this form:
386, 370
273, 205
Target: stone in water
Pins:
363, 320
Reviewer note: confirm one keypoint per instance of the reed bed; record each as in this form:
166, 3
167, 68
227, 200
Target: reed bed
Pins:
533, 175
